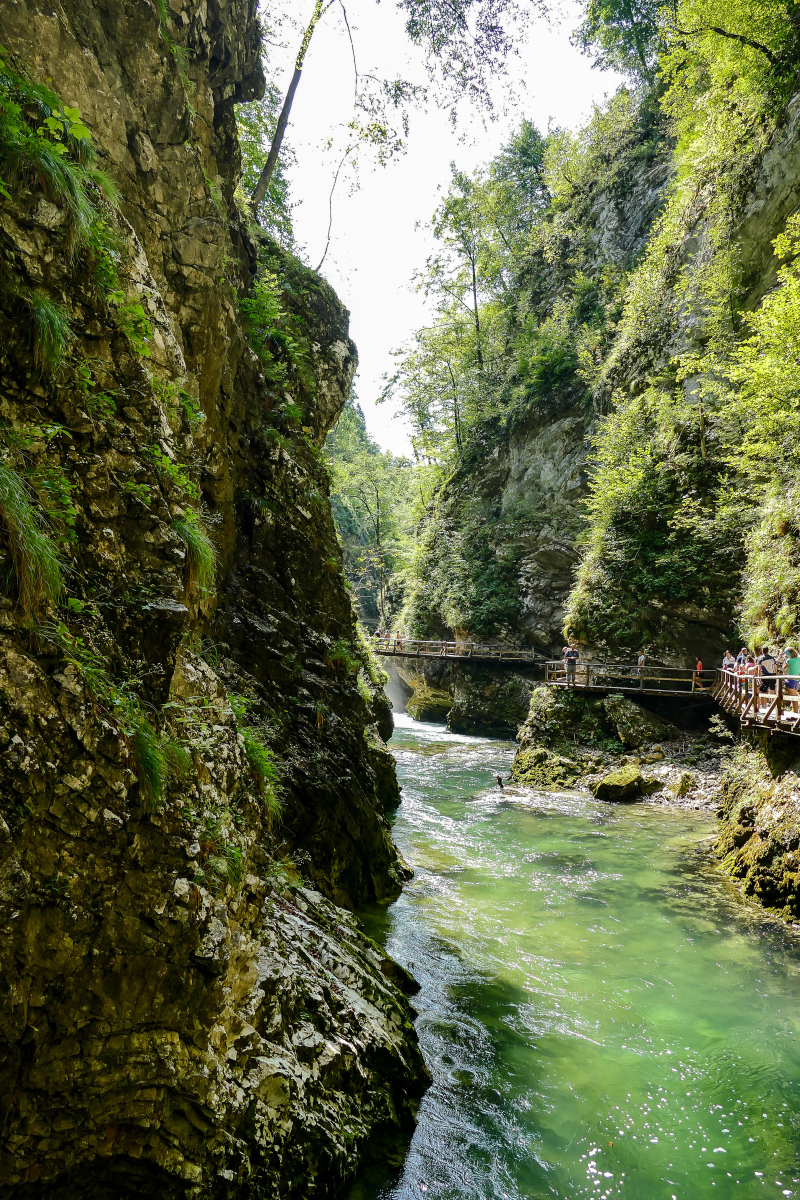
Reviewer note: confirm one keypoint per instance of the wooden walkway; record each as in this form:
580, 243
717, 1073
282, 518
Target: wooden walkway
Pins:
776, 708
753, 701
627, 677
399, 647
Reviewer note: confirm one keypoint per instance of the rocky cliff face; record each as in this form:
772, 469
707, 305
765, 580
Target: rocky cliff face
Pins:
181, 1015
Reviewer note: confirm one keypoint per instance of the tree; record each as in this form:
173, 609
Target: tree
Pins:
255, 122
623, 35
260, 189
465, 42
373, 497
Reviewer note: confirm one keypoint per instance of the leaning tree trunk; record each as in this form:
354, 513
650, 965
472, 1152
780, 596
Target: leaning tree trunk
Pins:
260, 190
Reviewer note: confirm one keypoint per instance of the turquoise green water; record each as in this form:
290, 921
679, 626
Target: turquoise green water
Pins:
601, 1014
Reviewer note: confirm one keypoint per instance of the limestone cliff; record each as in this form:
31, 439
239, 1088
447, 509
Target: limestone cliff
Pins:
181, 1014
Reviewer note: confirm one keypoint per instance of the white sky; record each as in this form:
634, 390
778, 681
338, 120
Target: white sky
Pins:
379, 237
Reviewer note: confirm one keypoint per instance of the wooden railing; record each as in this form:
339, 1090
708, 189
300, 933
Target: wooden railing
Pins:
772, 702
401, 647
628, 677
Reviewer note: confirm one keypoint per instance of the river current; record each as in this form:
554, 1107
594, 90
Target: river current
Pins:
600, 1011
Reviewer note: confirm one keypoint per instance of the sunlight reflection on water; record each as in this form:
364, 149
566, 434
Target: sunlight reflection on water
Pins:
601, 1014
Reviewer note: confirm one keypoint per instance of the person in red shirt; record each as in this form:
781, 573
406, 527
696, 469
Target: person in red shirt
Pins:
697, 682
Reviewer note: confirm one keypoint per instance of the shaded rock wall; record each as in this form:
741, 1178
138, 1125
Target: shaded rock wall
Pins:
180, 1015
477, 699
759, 841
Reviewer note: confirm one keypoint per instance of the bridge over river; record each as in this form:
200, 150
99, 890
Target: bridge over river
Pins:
750, 699
400, 647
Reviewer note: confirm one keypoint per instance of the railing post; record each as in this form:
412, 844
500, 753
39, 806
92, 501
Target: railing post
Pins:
780, 699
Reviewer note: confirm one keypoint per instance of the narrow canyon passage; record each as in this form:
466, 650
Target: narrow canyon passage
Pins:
602, 1013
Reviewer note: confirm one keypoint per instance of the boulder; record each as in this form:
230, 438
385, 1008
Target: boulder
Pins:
684, 784
623, 784
635, 725
540, 767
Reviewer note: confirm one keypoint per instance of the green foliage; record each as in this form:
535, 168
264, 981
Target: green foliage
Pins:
148, 762
35, 574
623, 35
227, 867
689, 476
133, 321
263, 762
45, 143
372, 495
256, 123
465, 576
179, 53
172, 473
340, 657
50, 330
201, 556
158, 760
370, 665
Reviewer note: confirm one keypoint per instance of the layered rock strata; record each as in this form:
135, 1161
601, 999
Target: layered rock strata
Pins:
181, 1014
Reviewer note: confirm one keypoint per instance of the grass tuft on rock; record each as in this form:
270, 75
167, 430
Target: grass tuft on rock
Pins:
148, 765
265, 769
50, 331
36, 571
201, 556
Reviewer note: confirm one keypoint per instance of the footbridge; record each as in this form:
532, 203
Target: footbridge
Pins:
400, 647
772, 704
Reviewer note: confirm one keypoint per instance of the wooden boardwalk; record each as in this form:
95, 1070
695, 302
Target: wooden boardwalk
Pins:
628, 677
400, 647
768, 704
776, 708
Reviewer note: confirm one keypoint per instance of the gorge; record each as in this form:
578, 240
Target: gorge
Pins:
197, 801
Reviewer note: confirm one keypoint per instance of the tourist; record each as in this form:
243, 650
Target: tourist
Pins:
792, 685
767, 669
697, 679
728, 662
571, 657
741, 659
751, 670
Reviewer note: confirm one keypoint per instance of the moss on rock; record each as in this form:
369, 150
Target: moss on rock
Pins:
759, 841
634, 724
429, 703
624, 784
542, 768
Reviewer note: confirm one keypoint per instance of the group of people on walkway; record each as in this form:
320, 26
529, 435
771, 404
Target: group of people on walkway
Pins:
766, 667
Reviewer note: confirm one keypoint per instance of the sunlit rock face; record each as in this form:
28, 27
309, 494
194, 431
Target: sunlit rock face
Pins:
181, 1015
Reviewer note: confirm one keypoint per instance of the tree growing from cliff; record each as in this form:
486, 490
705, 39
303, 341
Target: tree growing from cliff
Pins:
466, 46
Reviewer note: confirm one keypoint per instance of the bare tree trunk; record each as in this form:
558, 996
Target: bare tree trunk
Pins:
475, 311
456, 413
260, 190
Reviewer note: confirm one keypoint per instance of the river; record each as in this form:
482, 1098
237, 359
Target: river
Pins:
601, 1013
